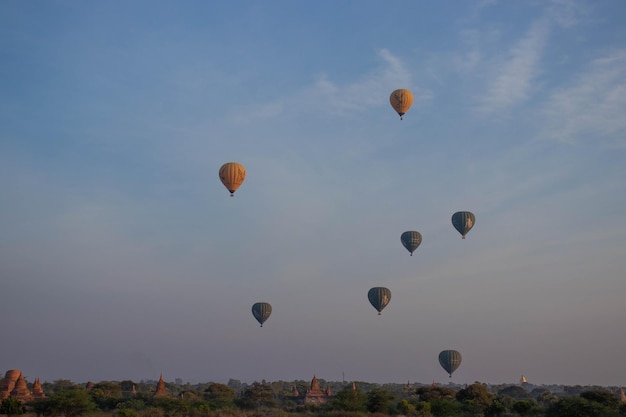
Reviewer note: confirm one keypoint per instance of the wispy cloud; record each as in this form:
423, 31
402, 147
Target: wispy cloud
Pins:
367, 91
468, 60
567, 13
593, 106
329, 96
514, 75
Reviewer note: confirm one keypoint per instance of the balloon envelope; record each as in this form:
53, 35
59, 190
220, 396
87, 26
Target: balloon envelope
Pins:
261, 312
450, 360
463, 221
401, 100
411, 240
379, 297
232, 175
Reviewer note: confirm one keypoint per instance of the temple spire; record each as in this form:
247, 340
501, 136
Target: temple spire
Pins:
161, 391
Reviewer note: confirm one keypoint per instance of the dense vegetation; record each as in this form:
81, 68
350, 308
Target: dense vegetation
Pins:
262, 399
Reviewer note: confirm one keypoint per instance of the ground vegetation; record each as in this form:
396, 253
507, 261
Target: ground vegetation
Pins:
277, 399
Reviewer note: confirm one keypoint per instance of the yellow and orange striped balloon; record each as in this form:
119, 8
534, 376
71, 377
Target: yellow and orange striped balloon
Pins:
401, 100
232, 175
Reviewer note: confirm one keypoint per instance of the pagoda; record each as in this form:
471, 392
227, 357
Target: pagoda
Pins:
315, 395
20, 391
37, 391
161, 391
8, 383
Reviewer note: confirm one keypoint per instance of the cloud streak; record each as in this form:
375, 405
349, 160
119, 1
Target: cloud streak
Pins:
567, 13
513, 76
328, 96
592, 106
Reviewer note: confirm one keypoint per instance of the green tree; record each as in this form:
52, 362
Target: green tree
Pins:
58, 385
504, 400
106, 389
545, 398
573, 390
445, 408
414, 408
472, 408
516, 392
189, 395
349, 399
135, 404
171, 406
601, 396
72, 402
525, 407
423, 409
106, 395
578, 407
203, 409
475, 398
256, 396
435, 392
11, 407
152, 412
127, 386
41, 407
495, 409
126, 412
220, 396
378, 401
406, 408
235, 384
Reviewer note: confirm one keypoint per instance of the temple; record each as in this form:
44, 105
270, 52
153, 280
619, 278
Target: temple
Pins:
14, 385
313, 395
37, 391
161, 391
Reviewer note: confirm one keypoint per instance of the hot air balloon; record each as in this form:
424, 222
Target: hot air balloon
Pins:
261, 312
401, 101
232, 175
411, 240
463, 221
450, 360
379, 297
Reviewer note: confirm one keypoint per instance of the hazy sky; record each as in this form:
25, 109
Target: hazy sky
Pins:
122, 256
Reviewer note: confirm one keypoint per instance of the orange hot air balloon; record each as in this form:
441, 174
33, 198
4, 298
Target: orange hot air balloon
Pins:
401, 100
232, 175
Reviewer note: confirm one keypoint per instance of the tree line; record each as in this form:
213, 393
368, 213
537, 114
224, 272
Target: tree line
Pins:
263, 399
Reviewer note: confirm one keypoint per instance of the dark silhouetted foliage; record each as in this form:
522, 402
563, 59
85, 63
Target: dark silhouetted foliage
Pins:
601, 396
475, 395
435, 393
72, 402
378, 401
445, 408
515, 392
11, 407
579, 407
349, 400
257, 395
220, 396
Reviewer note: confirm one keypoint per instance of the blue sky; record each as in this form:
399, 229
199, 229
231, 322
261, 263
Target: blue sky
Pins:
122, 256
